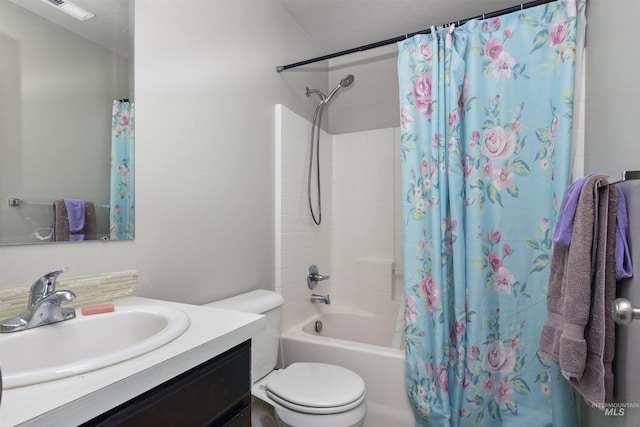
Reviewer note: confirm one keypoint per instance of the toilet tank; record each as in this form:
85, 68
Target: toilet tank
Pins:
264, 346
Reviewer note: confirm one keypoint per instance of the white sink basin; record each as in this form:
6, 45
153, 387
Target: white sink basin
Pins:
86, 343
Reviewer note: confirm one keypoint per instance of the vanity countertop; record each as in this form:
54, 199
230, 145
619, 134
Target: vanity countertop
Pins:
76, 399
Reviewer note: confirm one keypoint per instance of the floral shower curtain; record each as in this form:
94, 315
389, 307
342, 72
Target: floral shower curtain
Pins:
486, 113
122, 203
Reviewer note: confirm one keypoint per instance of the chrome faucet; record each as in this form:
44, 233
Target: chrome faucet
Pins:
320, 298
43, 307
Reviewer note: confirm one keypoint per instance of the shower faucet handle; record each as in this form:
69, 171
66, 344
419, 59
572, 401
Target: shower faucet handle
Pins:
314, 276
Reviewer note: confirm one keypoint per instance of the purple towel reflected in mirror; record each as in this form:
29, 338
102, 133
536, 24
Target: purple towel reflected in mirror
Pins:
74, 221
75, 214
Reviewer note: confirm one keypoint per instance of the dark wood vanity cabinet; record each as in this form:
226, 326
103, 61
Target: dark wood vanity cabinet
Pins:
215, 393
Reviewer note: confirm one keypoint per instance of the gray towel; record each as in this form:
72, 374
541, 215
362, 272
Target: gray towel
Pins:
61, 230
596, 384
579, 333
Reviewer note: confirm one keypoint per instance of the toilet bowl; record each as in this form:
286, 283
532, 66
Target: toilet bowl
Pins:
310, 394
302, 394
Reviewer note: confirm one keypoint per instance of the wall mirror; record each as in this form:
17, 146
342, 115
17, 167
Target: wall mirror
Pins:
63, 74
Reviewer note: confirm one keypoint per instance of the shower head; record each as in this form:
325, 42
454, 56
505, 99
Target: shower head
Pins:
346, 81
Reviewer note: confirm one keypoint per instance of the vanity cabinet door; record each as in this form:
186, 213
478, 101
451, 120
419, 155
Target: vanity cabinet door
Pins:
215, 393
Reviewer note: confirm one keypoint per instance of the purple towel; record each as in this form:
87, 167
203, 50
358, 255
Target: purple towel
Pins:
564, 225
624, 268
75, 213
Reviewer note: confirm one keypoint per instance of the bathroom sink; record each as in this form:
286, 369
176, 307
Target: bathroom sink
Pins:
86, 343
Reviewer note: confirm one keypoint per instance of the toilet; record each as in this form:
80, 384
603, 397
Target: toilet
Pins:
303, 394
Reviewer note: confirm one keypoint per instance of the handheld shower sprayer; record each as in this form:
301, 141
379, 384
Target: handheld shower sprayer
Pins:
315, 138
346, 81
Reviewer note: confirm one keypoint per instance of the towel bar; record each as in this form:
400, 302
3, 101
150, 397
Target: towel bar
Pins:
624, 176
17, 202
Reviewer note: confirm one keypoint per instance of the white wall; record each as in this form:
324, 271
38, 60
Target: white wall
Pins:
371, 102
205, 90
579, 130
612, 91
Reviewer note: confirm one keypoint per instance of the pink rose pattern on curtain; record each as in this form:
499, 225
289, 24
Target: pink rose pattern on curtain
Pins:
486, 112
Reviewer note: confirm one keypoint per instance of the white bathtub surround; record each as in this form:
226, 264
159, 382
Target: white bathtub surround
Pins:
370, 285
363, 244
360, 205
76, 399
93, 289
382, 367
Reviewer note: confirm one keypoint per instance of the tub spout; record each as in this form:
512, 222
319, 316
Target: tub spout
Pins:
320, 298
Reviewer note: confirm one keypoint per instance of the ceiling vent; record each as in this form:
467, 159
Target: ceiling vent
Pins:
69, 8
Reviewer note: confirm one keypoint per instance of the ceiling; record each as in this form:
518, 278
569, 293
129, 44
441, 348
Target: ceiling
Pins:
109, 27
337, 25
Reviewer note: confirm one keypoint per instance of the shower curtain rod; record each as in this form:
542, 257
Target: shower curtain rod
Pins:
505, 11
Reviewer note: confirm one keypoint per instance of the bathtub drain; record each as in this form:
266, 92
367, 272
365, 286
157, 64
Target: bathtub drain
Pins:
318, 326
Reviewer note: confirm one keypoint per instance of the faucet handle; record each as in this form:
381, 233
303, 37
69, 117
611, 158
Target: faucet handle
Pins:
44, 285
314, 276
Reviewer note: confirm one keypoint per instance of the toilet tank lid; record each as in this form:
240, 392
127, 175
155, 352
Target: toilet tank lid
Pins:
257, 301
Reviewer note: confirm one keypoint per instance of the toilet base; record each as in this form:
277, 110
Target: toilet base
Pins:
353, 418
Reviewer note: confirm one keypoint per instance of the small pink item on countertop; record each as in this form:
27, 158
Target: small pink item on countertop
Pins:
97, 309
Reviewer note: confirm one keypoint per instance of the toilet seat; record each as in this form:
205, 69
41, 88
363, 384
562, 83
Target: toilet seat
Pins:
317, 388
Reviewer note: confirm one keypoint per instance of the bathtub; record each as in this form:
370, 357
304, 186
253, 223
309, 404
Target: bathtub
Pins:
366, 343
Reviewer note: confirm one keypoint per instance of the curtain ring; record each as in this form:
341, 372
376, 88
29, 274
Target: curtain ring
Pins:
483, 16
521, 7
